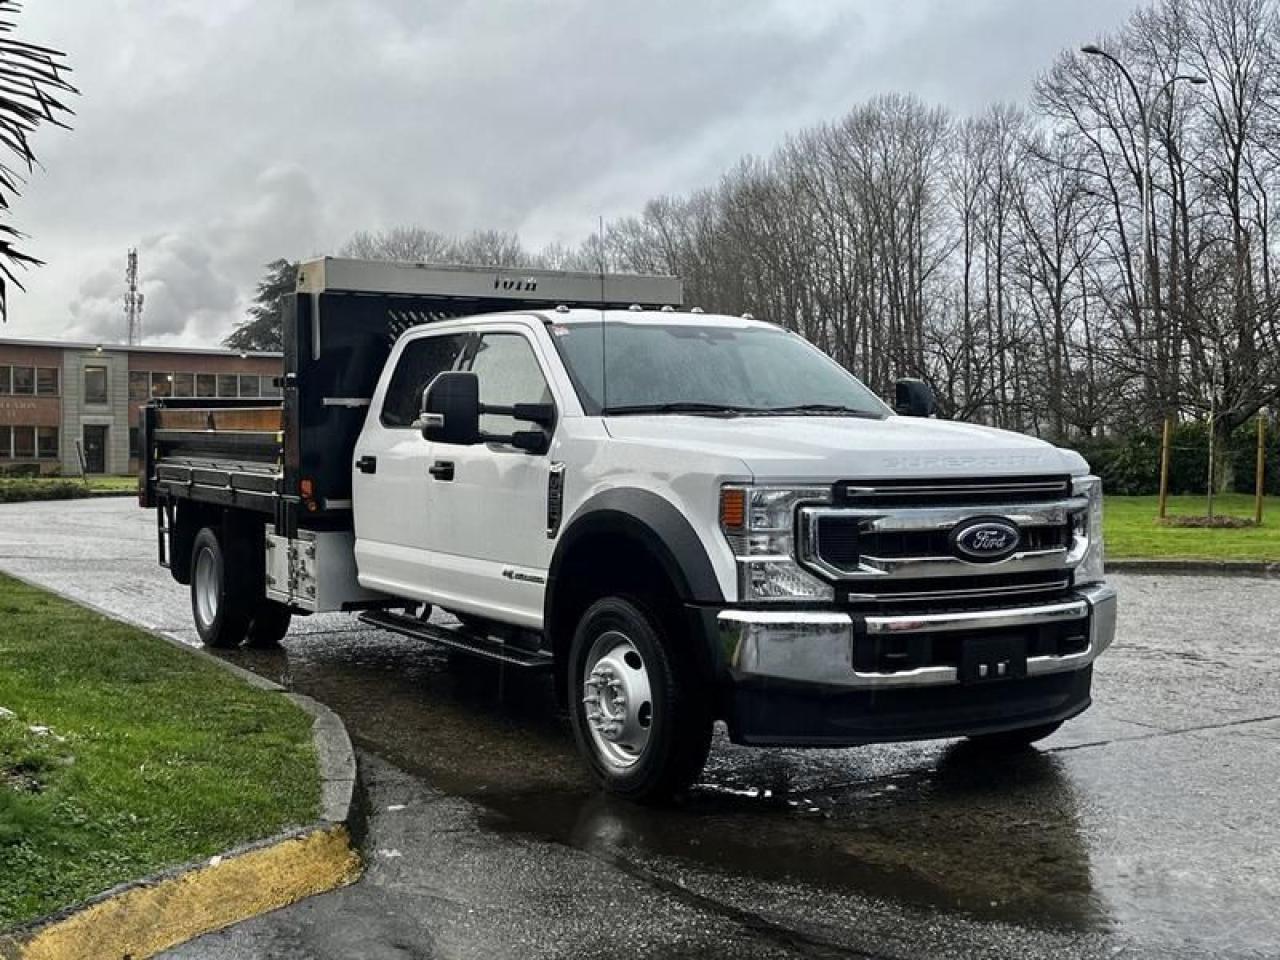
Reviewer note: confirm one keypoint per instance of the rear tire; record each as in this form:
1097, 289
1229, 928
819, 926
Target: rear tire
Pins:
1012, 741
269, 625
222, 596
637, 705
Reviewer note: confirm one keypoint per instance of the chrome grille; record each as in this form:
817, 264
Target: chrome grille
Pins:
890, 543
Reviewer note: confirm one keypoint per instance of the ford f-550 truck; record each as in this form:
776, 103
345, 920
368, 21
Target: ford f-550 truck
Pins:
684, 517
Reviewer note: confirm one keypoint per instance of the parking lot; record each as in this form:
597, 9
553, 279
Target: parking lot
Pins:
1149, 827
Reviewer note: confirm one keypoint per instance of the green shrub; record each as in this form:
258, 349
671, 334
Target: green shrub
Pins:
19, 491
1130, 465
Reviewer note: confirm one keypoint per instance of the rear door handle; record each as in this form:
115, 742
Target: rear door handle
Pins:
441, 469
367, 464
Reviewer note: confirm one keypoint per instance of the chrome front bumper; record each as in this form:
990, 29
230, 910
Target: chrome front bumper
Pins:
816, 647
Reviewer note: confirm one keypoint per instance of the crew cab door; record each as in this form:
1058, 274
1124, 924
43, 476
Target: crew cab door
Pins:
488, 531
392, 494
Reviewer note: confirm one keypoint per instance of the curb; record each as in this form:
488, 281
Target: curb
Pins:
1219, 568
143, 917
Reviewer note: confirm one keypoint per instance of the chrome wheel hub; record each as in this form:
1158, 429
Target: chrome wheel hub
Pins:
617, 699
206, 581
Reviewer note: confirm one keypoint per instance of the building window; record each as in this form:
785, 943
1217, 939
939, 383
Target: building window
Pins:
228, 385
24, 380
95, 384
206, 385
6, 443
6, 380
269, 388
249, 385
162, 384
24, 443
139, 386
184, 384
135, 444
47, 443
47, 381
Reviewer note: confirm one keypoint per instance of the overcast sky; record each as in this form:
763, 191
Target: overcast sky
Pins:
216, 136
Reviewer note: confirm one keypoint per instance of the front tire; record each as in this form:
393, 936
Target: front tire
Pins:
1013, 741
638, 709
222, 599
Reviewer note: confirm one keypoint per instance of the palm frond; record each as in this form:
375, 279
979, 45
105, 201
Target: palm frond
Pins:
34, 89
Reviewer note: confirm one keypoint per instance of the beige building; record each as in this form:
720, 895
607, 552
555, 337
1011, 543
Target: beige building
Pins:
64, 404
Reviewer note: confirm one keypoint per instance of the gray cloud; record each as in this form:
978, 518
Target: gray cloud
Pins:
217, 137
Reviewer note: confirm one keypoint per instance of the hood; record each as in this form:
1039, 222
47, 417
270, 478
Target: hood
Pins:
830, 448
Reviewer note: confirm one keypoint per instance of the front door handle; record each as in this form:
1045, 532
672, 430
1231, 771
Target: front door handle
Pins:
441, 469
367, 464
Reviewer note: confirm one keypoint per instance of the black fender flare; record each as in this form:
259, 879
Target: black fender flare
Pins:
658, 525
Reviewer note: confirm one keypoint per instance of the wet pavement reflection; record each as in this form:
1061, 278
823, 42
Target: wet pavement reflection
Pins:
940, 825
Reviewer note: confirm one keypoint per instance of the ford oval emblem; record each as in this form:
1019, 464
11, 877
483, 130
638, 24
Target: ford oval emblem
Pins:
985, 540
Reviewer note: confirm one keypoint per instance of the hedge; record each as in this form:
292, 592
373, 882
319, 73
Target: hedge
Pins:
1130, 465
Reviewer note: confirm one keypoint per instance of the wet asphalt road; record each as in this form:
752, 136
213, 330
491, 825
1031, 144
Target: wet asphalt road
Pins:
1149, 827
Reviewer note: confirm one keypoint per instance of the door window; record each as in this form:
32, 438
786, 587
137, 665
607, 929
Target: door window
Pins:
509, 374
95, 448
419, 363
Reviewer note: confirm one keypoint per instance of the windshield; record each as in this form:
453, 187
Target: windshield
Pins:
707, 369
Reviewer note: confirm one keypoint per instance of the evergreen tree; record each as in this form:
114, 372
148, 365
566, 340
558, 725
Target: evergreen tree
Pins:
264, 328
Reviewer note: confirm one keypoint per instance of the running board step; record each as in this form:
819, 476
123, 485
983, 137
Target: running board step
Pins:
461, 640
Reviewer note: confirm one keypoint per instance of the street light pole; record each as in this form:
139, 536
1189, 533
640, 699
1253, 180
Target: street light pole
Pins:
1144, 114
1147, 303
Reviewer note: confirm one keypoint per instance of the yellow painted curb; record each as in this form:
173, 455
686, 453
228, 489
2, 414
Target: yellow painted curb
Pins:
142, 920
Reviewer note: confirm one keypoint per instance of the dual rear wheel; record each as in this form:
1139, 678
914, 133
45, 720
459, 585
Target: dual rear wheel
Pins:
227, 601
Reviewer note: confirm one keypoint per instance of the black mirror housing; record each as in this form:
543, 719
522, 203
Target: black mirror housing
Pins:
451, 409
913, 398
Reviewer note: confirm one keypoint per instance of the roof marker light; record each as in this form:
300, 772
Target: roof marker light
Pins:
635, 308
696, 310
668, 308
561, 308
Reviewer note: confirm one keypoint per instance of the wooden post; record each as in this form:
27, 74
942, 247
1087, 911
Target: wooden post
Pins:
1164, 465
1259, 473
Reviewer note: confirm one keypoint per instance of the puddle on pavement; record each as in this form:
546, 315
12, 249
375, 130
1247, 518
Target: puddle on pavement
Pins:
927, 824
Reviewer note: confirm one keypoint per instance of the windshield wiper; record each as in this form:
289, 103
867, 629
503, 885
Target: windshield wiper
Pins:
820, 408
710, 409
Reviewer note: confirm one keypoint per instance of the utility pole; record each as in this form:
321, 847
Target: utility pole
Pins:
132, 299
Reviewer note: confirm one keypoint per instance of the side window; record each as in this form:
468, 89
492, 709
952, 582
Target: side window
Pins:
418, 365
509, 373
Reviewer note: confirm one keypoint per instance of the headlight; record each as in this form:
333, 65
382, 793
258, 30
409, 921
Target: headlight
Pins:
1088, 525
759, 523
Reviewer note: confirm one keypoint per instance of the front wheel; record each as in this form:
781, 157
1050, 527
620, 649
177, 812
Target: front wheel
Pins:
221, 593
1012, 741
640, 717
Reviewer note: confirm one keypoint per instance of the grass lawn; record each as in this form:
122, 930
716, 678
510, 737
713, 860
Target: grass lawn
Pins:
21, 489
1132, 530
120, 755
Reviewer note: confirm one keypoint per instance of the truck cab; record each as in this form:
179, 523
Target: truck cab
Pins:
684, 518
700, 517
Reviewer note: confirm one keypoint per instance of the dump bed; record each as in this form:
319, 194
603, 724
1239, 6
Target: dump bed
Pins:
293, 459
